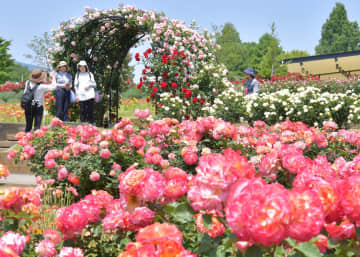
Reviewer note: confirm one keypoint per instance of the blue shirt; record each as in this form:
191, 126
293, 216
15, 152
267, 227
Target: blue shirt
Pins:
62, 78
252, 86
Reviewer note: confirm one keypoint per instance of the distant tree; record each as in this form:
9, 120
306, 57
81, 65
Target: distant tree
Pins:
5, 60
39, 46
293, 54
232, 53
338, 34
18, 72
127, 72
282, 70
265, 59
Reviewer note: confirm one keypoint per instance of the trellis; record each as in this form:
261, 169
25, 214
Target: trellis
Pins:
112, 50
181, 59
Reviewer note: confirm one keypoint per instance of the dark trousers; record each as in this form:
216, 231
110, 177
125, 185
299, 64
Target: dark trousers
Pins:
62, 103
87, 111
33, 114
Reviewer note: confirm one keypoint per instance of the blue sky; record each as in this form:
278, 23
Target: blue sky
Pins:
298, 22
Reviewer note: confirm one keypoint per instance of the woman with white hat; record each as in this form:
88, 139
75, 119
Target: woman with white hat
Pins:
62, 92
34, 112
85, 92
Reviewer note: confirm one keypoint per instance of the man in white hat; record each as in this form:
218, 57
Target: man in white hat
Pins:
62, 94
34, 112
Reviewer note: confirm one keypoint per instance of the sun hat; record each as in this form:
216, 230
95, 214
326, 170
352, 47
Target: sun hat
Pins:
82, 63
63, 63
250, 71
37, 76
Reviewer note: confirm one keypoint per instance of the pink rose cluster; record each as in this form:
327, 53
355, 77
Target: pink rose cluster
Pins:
72, 220
71, 252
216, 173
12, 244
157, 240
149, 185
142, 114
20, 199
261, 213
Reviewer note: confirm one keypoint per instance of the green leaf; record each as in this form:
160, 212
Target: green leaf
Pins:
205, 244
183, 213
358, 232
254, 251
221, 251
308, 249
290, 241
207, 220
280, 251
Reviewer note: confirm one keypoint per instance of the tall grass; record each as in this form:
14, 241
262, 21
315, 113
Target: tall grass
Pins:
52, 200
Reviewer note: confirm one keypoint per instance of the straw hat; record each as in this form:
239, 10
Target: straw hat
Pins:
37, 76
63, 63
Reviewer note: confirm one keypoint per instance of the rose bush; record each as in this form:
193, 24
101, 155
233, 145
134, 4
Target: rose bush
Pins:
229, 190
293, 80
308, 104
13, 87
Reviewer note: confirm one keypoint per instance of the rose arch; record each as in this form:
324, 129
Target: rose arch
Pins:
180, 75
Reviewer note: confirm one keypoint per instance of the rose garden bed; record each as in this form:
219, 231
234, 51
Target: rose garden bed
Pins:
204, 187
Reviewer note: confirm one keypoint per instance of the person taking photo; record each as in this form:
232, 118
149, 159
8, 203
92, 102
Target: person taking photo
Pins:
38, 86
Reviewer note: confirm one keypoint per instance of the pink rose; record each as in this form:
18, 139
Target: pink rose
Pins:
94, 176
50, 163
105, 153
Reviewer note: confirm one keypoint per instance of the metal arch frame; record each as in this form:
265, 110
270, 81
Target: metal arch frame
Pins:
135, 35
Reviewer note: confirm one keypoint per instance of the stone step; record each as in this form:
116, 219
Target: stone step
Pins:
72, 123
6, 143
17, 168
8, 131
11, 137
18, 180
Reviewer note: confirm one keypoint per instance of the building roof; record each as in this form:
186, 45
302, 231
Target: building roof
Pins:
336, 65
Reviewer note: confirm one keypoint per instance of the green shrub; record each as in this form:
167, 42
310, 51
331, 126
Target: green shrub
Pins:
133, 92
10, 97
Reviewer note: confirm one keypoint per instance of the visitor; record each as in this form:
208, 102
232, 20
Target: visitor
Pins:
62, 93
251, 83
85, 92
38, 84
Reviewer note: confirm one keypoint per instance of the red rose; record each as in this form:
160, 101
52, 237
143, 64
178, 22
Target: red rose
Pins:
73, 179
137, 57
140, 84
163, 85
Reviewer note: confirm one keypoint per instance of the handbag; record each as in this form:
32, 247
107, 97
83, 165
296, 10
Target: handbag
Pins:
97, 96
72, 96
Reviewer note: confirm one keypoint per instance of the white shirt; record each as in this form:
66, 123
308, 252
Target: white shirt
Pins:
40, 90
83, 80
